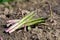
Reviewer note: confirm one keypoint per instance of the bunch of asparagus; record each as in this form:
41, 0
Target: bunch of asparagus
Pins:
26, 21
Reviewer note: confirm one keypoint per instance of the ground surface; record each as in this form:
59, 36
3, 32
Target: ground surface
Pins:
13, 10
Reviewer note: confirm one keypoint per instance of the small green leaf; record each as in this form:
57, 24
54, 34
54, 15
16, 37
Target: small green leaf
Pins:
2, 1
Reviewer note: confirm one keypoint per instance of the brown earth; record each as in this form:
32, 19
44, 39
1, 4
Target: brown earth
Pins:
17, 10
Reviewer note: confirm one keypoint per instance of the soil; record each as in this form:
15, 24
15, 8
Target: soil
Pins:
17, 10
